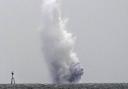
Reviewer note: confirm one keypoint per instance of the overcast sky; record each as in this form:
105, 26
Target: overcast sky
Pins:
101, 28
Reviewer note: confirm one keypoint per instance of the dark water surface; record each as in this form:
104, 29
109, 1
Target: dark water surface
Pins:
67, 86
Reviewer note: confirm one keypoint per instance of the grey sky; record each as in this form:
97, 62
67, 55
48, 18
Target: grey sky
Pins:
101, 30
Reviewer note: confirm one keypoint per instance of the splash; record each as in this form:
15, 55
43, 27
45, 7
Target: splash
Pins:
58, 45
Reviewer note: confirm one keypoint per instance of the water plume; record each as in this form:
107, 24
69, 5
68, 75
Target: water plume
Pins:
58, 45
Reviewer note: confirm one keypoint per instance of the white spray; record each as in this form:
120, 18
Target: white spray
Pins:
58, 45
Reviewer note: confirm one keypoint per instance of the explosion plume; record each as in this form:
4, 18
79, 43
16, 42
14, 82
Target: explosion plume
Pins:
58, 45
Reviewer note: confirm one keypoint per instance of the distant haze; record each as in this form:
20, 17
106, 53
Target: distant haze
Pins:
99, 25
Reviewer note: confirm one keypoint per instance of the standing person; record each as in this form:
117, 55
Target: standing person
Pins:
12, 79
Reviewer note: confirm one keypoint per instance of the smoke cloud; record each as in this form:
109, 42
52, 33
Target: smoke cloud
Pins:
58, 45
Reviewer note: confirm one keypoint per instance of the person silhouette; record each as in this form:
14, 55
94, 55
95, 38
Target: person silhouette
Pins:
12, 79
